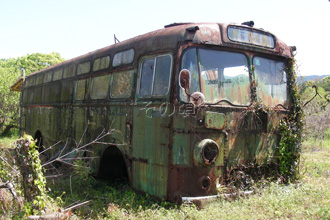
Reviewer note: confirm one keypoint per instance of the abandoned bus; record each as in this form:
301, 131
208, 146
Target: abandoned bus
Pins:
180, 102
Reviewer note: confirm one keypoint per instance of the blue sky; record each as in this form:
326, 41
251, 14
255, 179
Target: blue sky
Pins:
76, 27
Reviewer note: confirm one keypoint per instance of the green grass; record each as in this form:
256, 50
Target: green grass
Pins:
307, 199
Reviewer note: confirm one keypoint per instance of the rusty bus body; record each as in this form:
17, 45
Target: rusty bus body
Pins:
167, 145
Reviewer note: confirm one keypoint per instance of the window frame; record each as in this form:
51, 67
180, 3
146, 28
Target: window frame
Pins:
247, 58
151, 96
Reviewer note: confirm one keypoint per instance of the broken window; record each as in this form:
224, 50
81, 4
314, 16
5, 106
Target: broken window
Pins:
271, 81
122, 84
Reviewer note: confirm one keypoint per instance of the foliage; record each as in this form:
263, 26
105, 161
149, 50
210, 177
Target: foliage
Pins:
32, 62
10, 71
291, 129
8, 100
82, 170
316, 96
324, 83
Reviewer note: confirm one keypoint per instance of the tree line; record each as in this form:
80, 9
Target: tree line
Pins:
10, 71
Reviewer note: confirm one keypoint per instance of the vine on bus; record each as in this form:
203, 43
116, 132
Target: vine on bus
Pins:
34, 181
291, 128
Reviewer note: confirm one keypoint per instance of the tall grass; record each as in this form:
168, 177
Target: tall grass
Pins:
307, 199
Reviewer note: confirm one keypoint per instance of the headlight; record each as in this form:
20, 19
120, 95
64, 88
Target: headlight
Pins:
206, 152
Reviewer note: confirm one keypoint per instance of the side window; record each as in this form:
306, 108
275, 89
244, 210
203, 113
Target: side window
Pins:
55, 92
46, 94
83, 68
100, 87
40, 78
122, 84
80, 90
32, 81
25, 95
69, 71
124, 57
48, 77
147, 72
31, 95
155, 76
101, 63
57, 74
66, 94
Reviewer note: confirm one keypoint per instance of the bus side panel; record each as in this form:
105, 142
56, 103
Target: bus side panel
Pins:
95, 119
112, 119
65, 122
54, 125
33, 121
119, 121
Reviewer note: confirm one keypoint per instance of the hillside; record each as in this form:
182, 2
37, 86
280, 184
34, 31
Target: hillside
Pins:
312, 77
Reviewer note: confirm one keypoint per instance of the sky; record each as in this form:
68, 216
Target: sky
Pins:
76, 27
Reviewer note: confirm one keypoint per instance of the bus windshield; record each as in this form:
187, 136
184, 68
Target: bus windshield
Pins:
219, 75
271, 81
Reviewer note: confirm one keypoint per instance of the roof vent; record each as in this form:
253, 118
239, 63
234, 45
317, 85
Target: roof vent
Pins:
248, 23
192, 29
175, 24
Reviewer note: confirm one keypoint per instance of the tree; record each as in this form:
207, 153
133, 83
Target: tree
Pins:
8, 100
325, 83
10, 71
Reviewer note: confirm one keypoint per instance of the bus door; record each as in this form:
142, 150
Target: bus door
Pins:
151, 125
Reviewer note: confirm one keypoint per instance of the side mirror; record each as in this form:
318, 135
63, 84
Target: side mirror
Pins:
184, 79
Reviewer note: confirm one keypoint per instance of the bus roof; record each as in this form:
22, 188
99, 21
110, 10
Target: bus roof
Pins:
167, 39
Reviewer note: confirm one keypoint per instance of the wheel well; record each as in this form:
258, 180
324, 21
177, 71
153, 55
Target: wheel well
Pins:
112, 165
